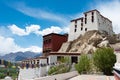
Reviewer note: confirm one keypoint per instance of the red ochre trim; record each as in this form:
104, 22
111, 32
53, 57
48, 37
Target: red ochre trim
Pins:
55, 34
41, 57
59, 53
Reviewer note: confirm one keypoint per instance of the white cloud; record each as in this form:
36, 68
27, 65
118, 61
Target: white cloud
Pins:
32, 28
22, 32
52, 29
16, 30
8, 45
33, 49
39, 13
36, 30
111, 10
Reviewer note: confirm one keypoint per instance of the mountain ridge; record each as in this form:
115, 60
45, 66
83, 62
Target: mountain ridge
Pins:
18, 56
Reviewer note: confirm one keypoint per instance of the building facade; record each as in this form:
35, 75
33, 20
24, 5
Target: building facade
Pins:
52, 42
92, 20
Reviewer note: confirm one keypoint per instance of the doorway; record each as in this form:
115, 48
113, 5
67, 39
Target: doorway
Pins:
74, 59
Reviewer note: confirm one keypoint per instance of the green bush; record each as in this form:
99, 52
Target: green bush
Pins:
2, 75
12, 72
61, 68
83, 65
104, 59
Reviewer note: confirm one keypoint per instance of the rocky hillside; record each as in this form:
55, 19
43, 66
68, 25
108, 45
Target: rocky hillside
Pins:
89, 42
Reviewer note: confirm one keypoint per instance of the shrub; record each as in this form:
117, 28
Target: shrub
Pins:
2, 75
61, 68
83, 64
104, 59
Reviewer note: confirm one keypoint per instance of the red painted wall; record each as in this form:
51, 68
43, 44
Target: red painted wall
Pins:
56, 41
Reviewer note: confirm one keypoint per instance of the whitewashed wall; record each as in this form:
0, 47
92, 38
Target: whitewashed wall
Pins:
31, 73
89, 25
52, 59
100, 23
104, 24
26, 74
117, 64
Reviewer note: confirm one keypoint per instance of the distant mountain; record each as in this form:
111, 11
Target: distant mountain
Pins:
18, 56
38, 55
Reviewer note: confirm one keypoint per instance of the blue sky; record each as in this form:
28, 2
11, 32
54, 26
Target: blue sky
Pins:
24, 22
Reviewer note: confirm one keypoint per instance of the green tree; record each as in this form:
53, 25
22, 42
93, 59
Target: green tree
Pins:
83, 64
104, 59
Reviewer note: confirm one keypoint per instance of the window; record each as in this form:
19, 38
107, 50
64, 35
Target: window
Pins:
37, 61
85, 29
46, 41
81, 24
49, 40
58, 58
81, 19
81, 28
85, 20
76, 21
75, 30
92, 19
34, 61
92, 13
75, 26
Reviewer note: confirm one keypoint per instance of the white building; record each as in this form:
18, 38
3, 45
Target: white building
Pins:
92, 20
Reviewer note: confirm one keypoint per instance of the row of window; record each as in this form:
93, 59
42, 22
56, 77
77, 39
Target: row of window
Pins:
81, 29
75, 28
92, 19
46, 51
47, 41
76, 25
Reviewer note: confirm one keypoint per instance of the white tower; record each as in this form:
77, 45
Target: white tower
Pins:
92, 20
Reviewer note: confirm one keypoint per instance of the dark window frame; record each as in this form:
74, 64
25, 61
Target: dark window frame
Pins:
81, 28
85, 29
75, 30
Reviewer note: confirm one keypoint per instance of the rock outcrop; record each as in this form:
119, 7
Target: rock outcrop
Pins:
89, 42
